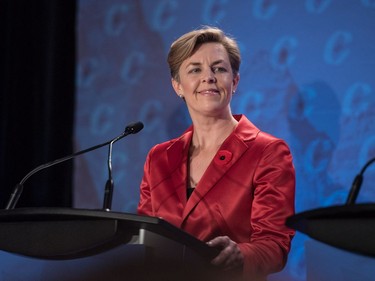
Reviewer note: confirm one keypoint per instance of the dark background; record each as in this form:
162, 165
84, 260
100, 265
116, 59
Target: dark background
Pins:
37, 64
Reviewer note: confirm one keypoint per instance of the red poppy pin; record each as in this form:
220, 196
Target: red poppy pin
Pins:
223, 157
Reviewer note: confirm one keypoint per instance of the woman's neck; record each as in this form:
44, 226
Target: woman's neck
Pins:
210, 133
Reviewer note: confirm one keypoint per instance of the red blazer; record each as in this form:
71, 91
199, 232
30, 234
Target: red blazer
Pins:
246, 193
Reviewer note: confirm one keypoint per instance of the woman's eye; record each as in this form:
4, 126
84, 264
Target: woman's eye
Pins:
194, 70
219, 69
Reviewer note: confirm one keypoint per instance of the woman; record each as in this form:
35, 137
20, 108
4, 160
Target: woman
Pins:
223, 181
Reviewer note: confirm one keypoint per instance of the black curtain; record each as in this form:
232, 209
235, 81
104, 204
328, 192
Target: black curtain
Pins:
37, 63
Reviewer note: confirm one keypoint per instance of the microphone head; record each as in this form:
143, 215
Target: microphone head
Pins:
134, 128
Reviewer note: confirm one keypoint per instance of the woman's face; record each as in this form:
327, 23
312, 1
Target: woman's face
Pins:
206, 81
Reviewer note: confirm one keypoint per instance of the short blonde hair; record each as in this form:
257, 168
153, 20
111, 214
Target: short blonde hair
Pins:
185, 46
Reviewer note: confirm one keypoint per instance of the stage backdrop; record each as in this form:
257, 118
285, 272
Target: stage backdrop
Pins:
307, 76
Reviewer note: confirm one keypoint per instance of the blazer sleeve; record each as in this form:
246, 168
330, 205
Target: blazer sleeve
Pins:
273, 202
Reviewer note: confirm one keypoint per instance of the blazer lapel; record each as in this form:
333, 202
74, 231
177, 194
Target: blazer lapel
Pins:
177, 155
228, 154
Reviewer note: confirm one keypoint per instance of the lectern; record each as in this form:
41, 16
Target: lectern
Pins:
349, 227
77, 244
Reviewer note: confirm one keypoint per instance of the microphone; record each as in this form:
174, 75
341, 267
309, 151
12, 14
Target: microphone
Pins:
132, 128
109, 186
356, 185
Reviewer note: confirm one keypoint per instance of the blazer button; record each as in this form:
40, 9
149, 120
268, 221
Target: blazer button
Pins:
222, 157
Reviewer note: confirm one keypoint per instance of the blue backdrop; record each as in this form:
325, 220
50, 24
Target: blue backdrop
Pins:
307, 76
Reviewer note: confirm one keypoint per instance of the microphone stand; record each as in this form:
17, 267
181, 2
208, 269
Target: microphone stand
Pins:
109, 186
18, 189
356, 185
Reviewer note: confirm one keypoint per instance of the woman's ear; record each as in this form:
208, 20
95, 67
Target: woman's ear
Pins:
177, 87
236, 80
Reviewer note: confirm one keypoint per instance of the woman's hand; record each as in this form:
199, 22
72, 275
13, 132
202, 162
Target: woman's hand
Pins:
230, 256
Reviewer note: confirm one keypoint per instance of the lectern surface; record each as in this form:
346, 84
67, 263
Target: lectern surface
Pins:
64, 233
349, 227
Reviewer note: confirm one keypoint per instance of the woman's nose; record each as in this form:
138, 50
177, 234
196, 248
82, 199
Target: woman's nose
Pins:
208, 76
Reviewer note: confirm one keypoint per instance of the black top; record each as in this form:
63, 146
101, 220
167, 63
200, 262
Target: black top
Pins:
189, 191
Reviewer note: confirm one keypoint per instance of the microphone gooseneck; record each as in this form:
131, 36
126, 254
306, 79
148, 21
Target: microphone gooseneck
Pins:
132, 128
357, 182
109, 186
